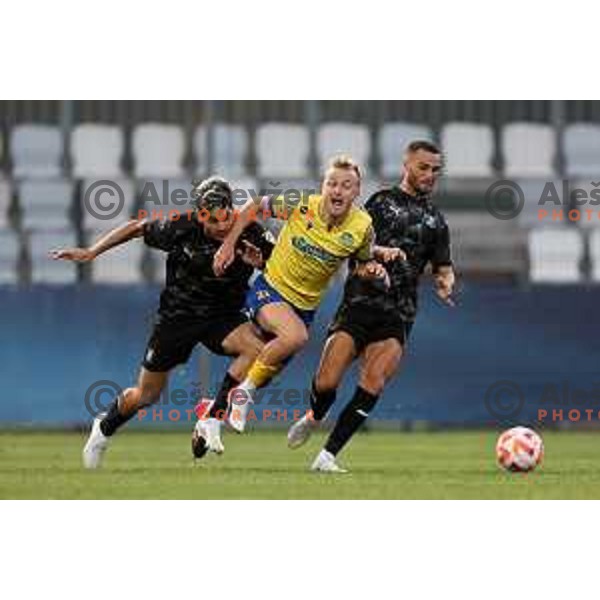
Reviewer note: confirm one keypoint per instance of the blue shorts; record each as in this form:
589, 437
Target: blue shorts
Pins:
261, 294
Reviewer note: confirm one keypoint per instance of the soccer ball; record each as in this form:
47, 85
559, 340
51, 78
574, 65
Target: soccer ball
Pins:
519, 449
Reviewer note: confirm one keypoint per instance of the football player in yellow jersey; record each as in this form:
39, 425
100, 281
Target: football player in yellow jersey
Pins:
317, 237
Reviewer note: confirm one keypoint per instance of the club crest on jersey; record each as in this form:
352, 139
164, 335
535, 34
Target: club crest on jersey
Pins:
347, 239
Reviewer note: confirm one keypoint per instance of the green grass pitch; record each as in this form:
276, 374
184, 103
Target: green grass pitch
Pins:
391, 465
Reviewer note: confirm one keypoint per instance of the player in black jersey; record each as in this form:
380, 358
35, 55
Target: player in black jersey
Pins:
195, 305
374, 320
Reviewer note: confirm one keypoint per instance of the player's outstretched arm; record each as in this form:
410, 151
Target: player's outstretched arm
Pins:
115, 237
225, 255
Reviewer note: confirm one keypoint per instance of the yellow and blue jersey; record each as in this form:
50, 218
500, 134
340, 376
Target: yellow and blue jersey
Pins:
308, 252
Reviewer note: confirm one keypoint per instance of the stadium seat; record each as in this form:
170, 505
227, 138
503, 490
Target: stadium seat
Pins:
468, 149
9, 256
581, 146
282, 150
594, 248
344, 138
103, 200
392, 141
555, 254
45, 204
230, 150
587, 195
97, 150
528, 150
534, 190
158, 150
481, 243
118, 265
5, 202
36, 151
43, 268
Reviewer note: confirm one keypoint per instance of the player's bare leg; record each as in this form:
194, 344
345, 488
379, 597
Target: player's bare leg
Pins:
290, 335
379, 362
245, 343
124, 407
337, 356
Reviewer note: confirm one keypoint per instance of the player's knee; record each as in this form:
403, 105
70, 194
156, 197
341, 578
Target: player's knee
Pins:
295, 339
372, 381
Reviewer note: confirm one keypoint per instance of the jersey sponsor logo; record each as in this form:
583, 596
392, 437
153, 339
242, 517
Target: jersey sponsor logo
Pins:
347, 239
308, 249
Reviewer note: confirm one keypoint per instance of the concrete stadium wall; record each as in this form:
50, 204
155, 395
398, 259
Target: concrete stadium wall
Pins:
57, 342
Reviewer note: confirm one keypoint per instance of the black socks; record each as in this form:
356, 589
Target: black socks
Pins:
351, 418
114, 419
320, 402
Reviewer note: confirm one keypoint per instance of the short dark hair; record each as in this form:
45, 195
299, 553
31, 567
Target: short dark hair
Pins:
213, 192
426, 145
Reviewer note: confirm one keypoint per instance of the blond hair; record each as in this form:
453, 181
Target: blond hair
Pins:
344, 161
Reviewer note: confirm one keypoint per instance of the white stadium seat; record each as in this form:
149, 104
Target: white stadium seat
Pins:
118, 265
392, 141
581, 145
468, 149
230, 150
9, 256
36, 151
45, 203
343, 138
528, 150
555, 254
282, 150
97, 150
45, 269
158, 150
533, 191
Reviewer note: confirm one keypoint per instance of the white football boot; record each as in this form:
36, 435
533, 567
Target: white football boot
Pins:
300, 431
239, 408
210, 430
96, 445
325, 463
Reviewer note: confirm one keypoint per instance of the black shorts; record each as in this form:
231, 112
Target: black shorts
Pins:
367, 326
171, 343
